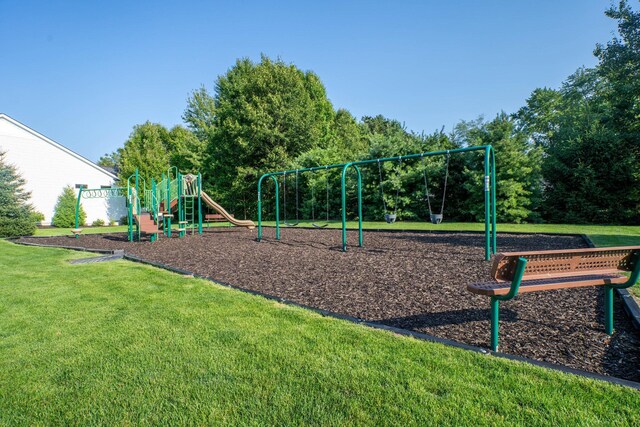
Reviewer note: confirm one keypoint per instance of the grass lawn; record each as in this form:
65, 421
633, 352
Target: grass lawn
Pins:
123, 343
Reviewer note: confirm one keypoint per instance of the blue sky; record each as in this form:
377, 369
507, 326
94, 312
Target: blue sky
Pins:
84, 73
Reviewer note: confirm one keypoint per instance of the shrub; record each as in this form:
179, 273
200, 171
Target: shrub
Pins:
124, 220
98, 223
112, 222
16, 214
65, 211
37, 217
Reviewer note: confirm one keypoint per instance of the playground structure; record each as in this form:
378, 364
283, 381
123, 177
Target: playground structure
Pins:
489, 189
152, 209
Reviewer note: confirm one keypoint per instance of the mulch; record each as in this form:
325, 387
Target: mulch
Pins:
409, 280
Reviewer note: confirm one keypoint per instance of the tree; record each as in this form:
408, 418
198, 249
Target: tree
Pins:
110, 160
619, 67
200, 114
518, 174
17, 217
265, 115
65, 210
148, 150
186, 151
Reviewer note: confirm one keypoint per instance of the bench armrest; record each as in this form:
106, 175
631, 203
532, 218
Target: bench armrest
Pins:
633, 278
515, 282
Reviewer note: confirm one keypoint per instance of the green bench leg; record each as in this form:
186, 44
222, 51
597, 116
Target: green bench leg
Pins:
495, 317
608, 309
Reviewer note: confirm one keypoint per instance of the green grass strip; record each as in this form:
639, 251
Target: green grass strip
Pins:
123, 343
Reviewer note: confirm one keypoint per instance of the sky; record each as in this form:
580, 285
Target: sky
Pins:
83, 73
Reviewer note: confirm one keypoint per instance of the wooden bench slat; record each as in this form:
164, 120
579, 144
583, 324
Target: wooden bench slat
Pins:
534, 285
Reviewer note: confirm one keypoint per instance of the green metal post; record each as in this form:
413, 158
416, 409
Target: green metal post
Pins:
199, 203
130, 200
275, 181
493, 200
495, 300
360, 235
495, 318
78, 211
608, 309
344, 206
487, 210
167, 204
138, 203
181, 214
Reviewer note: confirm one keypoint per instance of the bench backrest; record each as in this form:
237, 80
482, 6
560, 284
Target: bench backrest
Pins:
563, 263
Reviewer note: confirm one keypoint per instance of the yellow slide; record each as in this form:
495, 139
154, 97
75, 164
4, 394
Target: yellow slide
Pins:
239, 222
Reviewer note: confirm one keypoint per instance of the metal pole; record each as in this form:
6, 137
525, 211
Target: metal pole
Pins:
344, 206
495, 318
138, 203
360, 237
487, 210
199, 203
608, 309
167, 204
275, 180
78, 211
493, 200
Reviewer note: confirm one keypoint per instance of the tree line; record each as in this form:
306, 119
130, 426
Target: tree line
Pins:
569, 155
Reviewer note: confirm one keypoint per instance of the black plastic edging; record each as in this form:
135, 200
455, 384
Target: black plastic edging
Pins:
374, 325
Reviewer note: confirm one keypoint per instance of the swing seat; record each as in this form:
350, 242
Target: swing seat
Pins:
319, 225
390, 218
291, 224
436, 218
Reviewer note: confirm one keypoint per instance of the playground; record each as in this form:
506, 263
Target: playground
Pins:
410, 280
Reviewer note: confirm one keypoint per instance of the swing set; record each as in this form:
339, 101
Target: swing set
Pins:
390, 218
489, 189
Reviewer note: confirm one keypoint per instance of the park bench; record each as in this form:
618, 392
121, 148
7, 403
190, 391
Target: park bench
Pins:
516, 272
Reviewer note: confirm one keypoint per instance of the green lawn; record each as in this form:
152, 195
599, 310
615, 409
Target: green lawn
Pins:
123, 343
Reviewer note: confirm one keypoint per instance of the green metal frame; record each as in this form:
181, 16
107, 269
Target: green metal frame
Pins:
172, 187
489, 189
96, 193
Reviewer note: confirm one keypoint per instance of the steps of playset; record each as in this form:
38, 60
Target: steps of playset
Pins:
146, 223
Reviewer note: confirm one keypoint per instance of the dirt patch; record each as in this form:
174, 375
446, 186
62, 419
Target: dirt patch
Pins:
409, 280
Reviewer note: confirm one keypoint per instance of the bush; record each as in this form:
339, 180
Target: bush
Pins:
98, 223
112, 222
37, 217
124, 220
65, 211
16, 214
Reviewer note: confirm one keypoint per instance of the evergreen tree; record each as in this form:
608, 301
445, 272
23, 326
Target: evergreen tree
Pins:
17, 217
518, 175
65, 210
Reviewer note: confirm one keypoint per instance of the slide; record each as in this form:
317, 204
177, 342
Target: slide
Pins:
239, 222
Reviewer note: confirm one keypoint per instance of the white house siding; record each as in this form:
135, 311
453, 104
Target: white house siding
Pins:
48, 167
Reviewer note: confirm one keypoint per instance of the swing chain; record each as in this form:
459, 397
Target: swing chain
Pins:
446, 177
